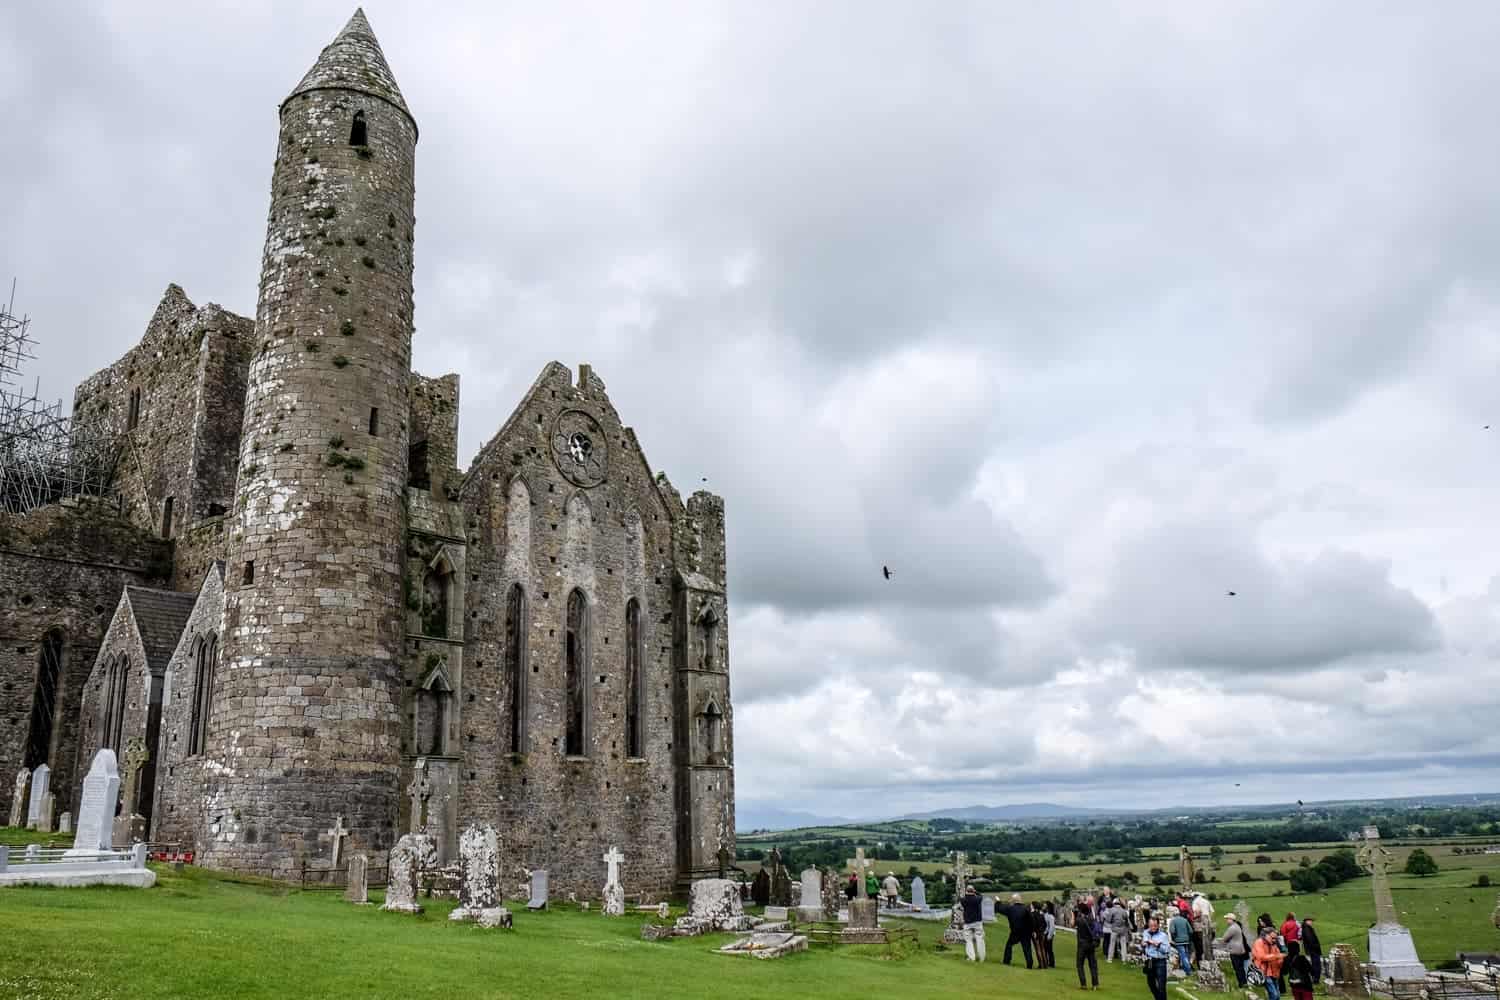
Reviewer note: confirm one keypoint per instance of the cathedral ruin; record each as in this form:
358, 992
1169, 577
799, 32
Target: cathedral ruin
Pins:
323, 632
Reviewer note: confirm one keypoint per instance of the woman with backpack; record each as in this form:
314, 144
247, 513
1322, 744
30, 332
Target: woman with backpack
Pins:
1267, 958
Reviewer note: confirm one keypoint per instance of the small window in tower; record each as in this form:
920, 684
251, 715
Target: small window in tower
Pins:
417, 474
357, 135
249, 577
134, 416
374, 421
166, 517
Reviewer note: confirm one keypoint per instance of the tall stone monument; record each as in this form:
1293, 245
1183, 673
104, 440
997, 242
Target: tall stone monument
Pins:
40, 779
954, 932
810, 903
1185, 869
96, 810
479, 893
130, 825
358, 889
1393, 954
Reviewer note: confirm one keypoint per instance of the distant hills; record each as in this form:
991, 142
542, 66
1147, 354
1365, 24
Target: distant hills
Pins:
994, 814
767, 816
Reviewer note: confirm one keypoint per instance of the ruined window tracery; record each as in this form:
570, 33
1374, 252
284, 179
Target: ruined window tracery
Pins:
515, 664
576, 652
114, 712
633, 741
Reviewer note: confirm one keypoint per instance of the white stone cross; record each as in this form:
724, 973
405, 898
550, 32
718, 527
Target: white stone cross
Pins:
861, 868
337, 835
613, 858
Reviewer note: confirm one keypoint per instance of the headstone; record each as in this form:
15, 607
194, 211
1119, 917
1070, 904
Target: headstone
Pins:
863, 913
987, 909
40, 779
830, 895
775, 914
96, 808
49, 803
336, 835
861, 868
65, 824
918, 893
412, 853
358, 890
419, 791
781, 881
1343, 970
538, 895
954, 932
33, 852
760, 888
130, 826
18, 797
614, 893
479, 892
810, 901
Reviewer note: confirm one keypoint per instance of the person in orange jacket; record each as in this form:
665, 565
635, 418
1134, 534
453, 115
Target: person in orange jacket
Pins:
1268, 958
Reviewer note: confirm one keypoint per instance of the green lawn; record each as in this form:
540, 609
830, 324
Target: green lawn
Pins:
197, 935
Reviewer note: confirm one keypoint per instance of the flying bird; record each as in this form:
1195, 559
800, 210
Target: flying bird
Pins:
1230, 593
1299, 802
887, 571
1236, 784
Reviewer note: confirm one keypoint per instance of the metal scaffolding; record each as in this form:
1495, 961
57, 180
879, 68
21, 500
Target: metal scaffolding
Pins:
45, 456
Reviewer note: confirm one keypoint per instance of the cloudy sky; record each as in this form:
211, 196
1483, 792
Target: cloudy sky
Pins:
1077, 318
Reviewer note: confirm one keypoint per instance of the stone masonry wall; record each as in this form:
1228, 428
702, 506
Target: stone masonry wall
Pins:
121, 639
305, 708
62, 566
189, 371
529, 523
178, 815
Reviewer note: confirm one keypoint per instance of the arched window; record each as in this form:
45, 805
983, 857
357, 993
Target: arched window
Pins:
433, 702
357, 133
708, 626
576, 650
633, 741
119, 687
515, 664
207, 655
713, 731
435, 587
44, 699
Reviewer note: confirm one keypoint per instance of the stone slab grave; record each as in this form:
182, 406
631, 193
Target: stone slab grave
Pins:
49, 803
479, 893
65, 824
412, 853
810, 895
777, 912
358, 888
918, 893
614, 892
96, 808
831, 896
766, 945
987, 909
90, 861
41, 778
537, 899
714, 905
864, 917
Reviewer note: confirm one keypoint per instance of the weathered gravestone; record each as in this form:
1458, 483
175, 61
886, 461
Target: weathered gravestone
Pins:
130, 825
96, 809
49, 803
810, 901
614, 893
781, 881
412, 853
954, 932
1343, 970
18, 797
358, 889
830, 895
760, 888
479, 893
918, 893
538, 895
40, 779
65, 824
987, 909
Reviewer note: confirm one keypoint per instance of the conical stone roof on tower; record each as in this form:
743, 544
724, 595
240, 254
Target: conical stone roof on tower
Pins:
353, 61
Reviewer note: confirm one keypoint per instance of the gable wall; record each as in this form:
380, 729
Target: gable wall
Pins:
177, 816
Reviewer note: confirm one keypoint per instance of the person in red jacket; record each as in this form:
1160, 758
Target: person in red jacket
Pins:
1291, 933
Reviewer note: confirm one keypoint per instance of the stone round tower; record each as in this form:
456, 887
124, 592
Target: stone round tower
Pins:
305, 709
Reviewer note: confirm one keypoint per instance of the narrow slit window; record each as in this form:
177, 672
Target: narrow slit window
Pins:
249, 577
166, 517
133, 417
374, 421
44, 700
357, 134
576, 656
633, 678
515, 662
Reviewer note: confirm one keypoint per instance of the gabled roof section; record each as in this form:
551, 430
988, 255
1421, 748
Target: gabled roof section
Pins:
353, 61
160, 617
